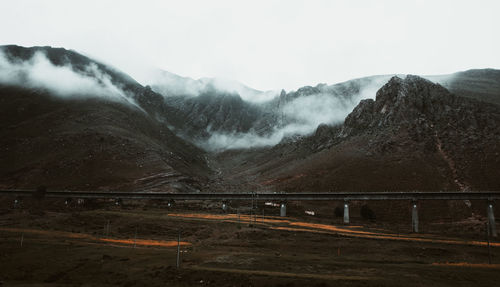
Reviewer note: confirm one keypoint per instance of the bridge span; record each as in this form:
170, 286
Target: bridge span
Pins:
389, 195
414, 196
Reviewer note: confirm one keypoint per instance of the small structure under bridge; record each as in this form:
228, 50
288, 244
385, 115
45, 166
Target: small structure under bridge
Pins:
283, 198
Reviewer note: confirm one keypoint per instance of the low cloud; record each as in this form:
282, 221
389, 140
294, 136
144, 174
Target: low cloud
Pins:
302, 117
62, 81
169, 84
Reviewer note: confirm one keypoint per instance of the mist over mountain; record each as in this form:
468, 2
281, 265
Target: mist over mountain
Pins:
478, 84
72, 122
219, 117
414, 135
170, 84
61, 78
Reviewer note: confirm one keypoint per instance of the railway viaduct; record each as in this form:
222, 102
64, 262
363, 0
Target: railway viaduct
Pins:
283, 198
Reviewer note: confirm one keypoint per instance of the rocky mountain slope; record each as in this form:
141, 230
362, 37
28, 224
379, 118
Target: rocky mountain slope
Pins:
478, 84
68, 121
214, 111
202, 110
416, 135
83, 140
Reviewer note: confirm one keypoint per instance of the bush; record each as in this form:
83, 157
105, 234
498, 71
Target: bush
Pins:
367, 212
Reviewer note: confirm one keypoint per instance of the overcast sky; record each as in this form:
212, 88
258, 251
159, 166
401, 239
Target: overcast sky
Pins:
265, 44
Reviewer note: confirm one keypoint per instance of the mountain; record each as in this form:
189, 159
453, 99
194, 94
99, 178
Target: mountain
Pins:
212, 111
61, 57
216, 119
170, 84
479, 84
220, 118
416, 135
67, 121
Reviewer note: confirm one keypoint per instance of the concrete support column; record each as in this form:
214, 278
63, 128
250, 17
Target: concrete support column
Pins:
414, 216
224, 205
346, 212
491, 220
283, 209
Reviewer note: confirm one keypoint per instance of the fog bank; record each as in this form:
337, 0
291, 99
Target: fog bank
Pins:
61, 81
301, 116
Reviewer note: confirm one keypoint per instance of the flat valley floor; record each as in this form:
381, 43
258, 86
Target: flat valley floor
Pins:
48, 244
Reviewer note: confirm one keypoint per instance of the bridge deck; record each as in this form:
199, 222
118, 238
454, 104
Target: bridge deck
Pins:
402, 195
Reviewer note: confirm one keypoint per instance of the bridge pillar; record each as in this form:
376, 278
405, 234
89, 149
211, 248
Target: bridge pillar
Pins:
491, 220
224, 206
346, 212
414, 216
17, 202
283, 209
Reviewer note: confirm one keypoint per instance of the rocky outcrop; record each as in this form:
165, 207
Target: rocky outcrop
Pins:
424, 109
414, 135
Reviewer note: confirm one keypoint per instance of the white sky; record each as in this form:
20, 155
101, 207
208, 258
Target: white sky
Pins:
265, 44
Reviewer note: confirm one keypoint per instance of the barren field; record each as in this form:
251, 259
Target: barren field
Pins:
135, 244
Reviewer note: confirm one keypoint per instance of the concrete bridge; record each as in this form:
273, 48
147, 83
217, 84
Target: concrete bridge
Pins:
283, 198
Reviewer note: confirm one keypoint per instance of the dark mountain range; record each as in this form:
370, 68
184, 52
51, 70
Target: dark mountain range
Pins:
62, 57
208, 112
415, 135
68, 121
197, 117
214, 111
84, 141
170, 84
478, 84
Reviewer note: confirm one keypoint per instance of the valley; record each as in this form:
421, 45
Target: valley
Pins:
98, 129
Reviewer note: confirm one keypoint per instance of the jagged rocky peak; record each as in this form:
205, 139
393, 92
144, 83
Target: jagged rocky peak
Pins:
413, 92
283, 93
308, 90
401, 101
421, 107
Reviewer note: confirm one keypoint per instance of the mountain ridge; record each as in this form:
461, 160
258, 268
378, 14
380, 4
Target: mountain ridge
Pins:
398, 134
415, 135
84, 141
